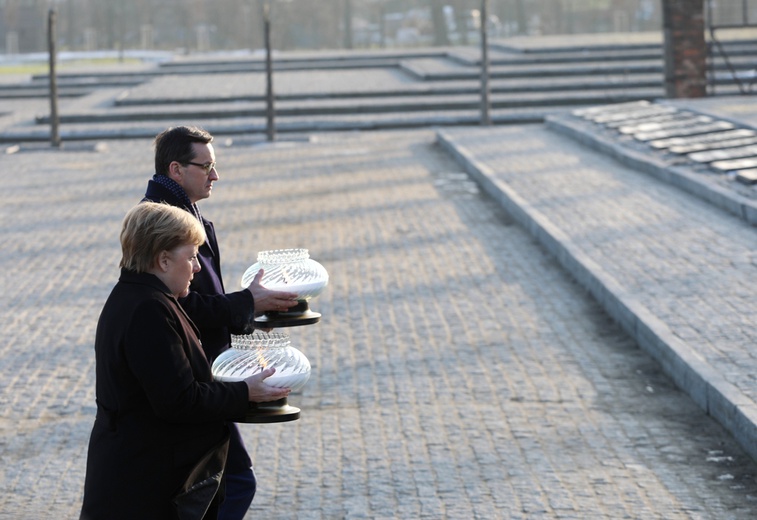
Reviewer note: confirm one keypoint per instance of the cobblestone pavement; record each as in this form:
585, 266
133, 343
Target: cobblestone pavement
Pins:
458, 371
679, 270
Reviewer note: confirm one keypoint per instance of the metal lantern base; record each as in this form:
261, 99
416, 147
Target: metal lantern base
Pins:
297, 315
271, 412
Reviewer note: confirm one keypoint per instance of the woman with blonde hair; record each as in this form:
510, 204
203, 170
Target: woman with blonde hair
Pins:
158, 445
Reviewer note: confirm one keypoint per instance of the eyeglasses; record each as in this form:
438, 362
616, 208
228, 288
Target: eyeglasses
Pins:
207, 167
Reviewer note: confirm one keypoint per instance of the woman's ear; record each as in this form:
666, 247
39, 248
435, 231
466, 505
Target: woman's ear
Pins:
163, 258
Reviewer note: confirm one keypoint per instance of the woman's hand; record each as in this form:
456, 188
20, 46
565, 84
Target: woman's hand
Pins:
259, 392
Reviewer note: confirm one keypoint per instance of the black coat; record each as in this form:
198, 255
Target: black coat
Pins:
158, 408
216, 313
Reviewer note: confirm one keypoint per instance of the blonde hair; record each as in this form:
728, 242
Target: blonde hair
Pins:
150, 228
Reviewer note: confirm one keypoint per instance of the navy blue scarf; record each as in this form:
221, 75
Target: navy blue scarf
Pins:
175, 188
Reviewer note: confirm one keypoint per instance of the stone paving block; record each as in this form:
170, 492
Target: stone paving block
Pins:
735, 164
721, 155
667, 122
748, 176
704, 138
713, 145
633, 114
697, 129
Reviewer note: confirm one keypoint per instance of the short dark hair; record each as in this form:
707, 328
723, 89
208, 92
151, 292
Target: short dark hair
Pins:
175, 144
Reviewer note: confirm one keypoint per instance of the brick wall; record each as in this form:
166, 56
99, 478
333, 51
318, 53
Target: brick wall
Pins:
685, 48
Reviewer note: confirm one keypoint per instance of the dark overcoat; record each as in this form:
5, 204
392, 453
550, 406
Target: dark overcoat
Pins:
216, 313
158, 408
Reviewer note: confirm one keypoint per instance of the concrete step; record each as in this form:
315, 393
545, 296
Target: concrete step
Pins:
284, 126
424, 89
328, 107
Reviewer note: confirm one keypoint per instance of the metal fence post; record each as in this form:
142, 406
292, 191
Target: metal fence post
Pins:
54, 118
485, 102
270, 111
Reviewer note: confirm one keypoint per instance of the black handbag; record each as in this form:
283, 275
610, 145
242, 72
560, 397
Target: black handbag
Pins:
203, 483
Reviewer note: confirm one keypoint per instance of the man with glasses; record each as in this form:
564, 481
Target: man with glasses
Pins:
185, 170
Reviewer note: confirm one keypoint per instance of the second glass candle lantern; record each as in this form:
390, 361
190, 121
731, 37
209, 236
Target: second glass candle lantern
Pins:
253, 353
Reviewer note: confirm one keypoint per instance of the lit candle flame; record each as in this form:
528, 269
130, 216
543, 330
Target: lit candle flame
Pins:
262, 361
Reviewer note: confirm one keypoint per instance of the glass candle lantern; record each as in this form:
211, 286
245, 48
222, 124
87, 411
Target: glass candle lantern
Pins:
290, 270
253, 353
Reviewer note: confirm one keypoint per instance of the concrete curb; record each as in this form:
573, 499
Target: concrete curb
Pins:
709, 390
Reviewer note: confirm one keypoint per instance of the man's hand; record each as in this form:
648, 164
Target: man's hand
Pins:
259, 392
268, 300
